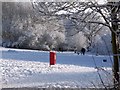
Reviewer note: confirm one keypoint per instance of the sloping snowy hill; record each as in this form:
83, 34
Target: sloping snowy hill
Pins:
30, 68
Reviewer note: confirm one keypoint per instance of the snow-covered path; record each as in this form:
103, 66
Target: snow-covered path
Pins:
29, 68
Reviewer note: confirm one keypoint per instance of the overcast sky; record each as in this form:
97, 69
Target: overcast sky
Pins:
101, 1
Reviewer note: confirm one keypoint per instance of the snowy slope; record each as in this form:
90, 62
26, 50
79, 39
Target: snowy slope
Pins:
30, 68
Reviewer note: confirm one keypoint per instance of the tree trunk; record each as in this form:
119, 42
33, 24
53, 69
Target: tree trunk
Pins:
115, 47
116, 61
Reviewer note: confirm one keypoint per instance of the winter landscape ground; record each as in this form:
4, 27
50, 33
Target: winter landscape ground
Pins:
30, 68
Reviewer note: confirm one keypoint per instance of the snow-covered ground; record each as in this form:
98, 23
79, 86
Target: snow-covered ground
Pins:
30, 68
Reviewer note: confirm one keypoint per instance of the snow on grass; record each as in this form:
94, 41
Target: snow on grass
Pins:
30, 68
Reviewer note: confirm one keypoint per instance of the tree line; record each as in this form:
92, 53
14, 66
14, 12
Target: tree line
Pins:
53, 26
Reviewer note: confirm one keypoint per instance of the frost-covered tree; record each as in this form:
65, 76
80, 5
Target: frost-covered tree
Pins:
68, 19
15, 21
78, 17
22, 28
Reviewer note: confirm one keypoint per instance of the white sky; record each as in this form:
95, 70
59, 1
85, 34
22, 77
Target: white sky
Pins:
101, 1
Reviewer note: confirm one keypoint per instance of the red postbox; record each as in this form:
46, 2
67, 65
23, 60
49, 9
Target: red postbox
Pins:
52, 58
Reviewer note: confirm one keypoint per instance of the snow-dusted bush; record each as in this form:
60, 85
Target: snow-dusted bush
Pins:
77, 41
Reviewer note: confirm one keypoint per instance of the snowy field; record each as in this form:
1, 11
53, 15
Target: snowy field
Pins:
30, 68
